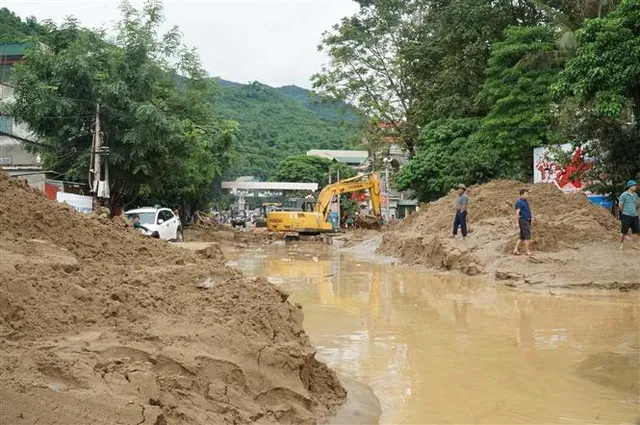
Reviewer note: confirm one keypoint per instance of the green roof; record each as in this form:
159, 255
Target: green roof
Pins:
13, 49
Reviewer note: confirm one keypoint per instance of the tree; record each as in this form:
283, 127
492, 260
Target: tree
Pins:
517, 97
166, 145
601, 92
310, 169
518, 102
449, 48
447, 155
366, 69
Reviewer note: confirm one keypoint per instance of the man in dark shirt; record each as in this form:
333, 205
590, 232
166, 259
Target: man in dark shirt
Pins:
524, 219
460, 219
137, 224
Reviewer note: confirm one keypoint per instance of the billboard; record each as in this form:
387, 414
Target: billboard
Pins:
568, 178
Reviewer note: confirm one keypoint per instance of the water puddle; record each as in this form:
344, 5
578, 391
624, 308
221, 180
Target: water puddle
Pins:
443, 349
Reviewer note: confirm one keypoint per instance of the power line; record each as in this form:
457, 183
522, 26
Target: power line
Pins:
27, 141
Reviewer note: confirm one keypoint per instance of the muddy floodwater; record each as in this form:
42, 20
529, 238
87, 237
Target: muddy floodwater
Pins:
443, 349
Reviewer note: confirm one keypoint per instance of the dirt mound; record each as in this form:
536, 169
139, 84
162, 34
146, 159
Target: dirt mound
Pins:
563, 221
99, 324
367, 222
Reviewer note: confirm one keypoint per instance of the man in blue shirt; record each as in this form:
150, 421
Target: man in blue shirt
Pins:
523, 222
628, 206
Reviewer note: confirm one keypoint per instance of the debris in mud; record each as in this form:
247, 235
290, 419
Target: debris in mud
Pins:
367, 222
99, 324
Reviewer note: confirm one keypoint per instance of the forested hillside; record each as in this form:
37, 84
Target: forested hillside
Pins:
13, 29
279, 122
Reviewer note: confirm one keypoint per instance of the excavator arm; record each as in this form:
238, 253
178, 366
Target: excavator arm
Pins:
368, 182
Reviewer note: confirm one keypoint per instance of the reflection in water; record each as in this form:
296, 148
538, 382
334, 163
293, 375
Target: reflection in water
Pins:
448, 350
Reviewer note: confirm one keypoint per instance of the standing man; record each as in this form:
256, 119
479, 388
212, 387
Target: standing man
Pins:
628, 206
524, 219
461, 211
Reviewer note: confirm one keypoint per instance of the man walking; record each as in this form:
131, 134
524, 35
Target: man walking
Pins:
461, 211
628, 206
523, 222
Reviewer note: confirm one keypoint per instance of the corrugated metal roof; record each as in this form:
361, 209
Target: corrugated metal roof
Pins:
13, 49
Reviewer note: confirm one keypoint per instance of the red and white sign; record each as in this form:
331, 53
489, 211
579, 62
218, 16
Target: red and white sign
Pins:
567, 178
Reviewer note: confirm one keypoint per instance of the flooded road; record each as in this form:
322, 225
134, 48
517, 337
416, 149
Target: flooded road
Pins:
442, 349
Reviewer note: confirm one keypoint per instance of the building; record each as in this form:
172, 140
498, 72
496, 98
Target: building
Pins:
10, 54
389, 155
14, 137
15, 158
351, 158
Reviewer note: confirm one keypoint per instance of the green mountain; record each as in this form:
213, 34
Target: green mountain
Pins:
279, 122
15, 30
274, 122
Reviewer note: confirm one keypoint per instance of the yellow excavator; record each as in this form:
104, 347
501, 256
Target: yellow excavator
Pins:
315, 221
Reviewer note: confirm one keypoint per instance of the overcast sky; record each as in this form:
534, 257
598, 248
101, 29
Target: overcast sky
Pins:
271, 41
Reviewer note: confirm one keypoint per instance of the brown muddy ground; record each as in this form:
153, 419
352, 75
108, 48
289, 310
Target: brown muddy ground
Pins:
101, 325
574, 243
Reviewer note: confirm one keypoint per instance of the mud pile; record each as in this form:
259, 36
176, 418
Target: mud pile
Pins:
563, 222
99, 324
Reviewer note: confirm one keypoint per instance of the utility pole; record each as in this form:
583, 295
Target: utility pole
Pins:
97, 157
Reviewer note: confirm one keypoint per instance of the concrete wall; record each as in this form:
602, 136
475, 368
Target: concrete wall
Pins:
33, 180
12, 151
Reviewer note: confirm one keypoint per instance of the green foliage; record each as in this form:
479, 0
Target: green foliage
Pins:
517, 97
326, 109
310, 169
447, 156
14, 30
365, 68
273, 125
166, 145
606, 69
601, 91
450, 48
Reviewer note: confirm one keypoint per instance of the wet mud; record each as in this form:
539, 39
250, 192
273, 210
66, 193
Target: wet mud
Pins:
445, 348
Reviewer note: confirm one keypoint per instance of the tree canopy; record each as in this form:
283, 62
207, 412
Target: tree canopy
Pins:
15, 30
166, 144
366, 68
600, 94
477, 85
310, 169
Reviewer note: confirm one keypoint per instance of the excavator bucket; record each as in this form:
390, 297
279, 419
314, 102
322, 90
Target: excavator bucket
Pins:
368, 222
